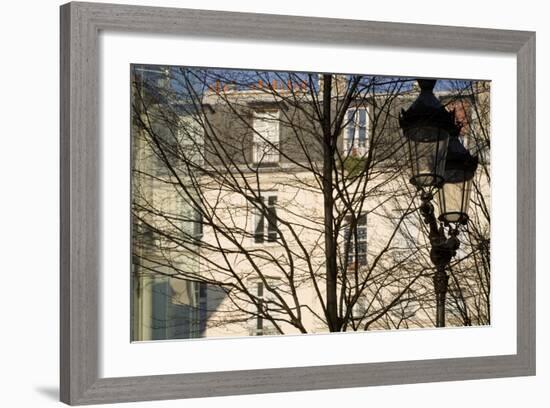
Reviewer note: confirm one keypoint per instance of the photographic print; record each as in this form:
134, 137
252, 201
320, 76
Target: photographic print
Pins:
274, 203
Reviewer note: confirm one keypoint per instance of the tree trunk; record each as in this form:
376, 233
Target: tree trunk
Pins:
330, 242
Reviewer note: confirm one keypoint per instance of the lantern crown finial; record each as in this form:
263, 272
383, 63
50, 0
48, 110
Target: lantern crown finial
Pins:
426, 85
427, 110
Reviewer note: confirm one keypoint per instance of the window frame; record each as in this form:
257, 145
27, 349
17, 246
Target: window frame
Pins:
263, 298
259, 139
353, 147
360, 227
270, 227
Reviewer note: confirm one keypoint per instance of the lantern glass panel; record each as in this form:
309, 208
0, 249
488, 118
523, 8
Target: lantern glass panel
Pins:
454, 199
427, 149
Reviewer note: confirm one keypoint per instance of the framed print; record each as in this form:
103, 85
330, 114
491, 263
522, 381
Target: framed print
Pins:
243, 194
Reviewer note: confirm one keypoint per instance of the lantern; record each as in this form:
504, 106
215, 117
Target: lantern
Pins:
454, 196
426, 126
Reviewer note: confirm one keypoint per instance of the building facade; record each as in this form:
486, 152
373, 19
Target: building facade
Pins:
230, 212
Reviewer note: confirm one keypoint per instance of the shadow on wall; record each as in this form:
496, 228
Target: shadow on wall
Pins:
183, 317
50, 392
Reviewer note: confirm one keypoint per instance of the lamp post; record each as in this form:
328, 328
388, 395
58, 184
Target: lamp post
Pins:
439, 162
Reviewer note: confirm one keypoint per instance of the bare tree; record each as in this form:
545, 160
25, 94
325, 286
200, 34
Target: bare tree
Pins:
260, 186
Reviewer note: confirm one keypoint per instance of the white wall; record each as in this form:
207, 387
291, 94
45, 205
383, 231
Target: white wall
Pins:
29, 202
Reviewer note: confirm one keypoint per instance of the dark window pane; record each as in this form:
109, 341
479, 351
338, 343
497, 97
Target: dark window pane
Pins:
202, 290
197, 227
260, 319
362, 253
272, 219
259, 227
260, 289
203, 307
362, 127
350, 129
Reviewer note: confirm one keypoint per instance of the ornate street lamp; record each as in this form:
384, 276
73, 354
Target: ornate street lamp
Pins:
438, 161
427, 126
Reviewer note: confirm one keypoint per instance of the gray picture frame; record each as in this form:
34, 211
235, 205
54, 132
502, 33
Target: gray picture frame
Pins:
80, 237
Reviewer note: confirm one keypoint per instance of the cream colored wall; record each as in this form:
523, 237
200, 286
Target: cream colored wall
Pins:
297, 206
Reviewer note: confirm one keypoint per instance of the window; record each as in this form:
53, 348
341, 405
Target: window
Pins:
259, 325
266, 137
356, 239
198, 225
259, 318
201, 296
265, 220
355, 132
